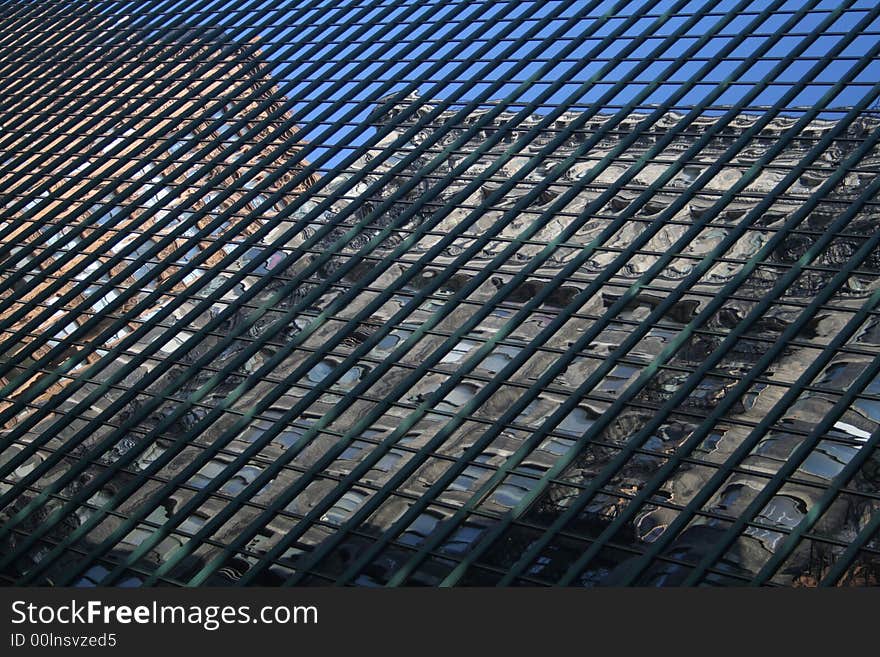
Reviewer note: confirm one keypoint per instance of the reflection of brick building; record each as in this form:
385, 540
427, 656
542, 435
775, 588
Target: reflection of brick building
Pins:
121, 165
419, 465
123, 169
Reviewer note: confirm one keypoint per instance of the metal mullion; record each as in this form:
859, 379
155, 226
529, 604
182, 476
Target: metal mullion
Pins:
442, 390
521, 21
523, 428
599, 424
686, 15
215, 495
477, 126
670, 191
644, 252
392, 320
749, 110
635, 187
180, 533
209, 304
483, 378
219, 495
785, 112
26, 120
107, 561
453, 60
229, 65
704, 427
701, 58
779, 82
437, 502
806, 446
571, 245
567, 535
56, 232
646, 219
489, 515
660, 160
521, 402
513, 307
499, 207
540, 60
19, 12
69, 23
257, 458
430, 370
779, 408
801, 532
484, 566
710, 192
327, 474
475, 377
225, 12
143, 129
21, 16
776, 383
782, 266
679, 15
734, 83
482, 420
263, 315
20, 19
85, 100
717, 412
218, 221
788, 302
839, 567
459, 151
479, 512
743, 449
177, 532
711, 14
353, 183
524, 578
287, 25
501, 571
470, 237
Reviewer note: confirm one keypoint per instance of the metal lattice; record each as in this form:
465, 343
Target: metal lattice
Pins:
449, 293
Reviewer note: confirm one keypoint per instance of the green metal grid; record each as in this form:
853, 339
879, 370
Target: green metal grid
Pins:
70, 65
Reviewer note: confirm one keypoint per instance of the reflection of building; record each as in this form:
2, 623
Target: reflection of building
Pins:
142, 173
429, 448
583, 219
126, 175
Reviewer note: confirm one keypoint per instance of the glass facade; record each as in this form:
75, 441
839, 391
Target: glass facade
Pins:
485, 293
